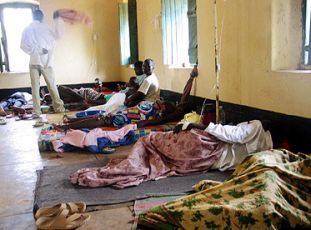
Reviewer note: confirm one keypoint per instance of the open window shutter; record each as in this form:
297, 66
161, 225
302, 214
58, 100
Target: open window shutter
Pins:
193, 40
132, 14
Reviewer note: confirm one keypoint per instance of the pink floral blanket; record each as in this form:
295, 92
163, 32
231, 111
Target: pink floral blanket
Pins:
155, 156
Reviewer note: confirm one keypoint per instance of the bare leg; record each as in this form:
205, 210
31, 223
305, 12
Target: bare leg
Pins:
68, 120
90, 123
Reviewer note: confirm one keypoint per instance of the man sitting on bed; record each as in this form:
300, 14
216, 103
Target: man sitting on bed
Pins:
149, 90
135, 82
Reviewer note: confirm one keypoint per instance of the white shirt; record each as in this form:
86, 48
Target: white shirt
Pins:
150, 87
38, 36
140, 79
241, 140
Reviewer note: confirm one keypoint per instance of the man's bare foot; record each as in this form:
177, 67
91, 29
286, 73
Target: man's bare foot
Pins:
17, 110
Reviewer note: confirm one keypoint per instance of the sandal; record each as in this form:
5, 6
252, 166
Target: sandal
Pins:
62, 221
77, 207
2, 121
38, 124
72, 208
50, 211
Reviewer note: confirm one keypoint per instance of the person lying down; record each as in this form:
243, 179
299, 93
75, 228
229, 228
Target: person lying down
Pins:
144, 114
188, 149
269, 190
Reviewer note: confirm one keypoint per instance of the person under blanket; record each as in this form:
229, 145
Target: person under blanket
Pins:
86, 95
15, 102
162, 154
269, 190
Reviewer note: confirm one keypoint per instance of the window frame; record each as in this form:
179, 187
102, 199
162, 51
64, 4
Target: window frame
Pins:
173, 29
304, 47
130, 39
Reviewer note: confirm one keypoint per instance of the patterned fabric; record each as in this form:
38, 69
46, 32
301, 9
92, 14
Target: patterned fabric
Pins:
88, 93
269, 190
47, 135
158, 155
143, 111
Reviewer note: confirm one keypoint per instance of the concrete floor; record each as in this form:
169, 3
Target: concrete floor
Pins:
19, 160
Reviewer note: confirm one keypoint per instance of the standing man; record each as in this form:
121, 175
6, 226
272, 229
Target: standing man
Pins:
38, 41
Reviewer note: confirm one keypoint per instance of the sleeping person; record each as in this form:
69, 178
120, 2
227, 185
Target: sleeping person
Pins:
15, 102
190, 149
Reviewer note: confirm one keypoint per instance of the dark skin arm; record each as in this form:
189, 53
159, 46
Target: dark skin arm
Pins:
95, 102
178, 128
134, 99
90, 123
175, 116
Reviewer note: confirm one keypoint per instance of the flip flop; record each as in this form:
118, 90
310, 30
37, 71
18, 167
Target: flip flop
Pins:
62, 221
2, 121
77, 207
50, 211
72, 208
38, 124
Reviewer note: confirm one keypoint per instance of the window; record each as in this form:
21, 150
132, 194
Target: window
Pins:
286, 35
179, 32
128, 32
14, 17
306, 14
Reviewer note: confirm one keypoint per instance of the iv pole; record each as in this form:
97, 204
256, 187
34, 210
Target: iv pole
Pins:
217, 65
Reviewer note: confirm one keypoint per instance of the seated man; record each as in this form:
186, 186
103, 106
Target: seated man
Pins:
169, 112
134, 83
192, 150
149, 89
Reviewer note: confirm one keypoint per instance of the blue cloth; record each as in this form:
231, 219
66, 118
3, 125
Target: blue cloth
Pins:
102, 143
88, 113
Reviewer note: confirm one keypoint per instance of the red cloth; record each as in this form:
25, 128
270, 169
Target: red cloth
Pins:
73, 16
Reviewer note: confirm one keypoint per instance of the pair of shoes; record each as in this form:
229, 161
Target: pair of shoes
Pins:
62, 216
